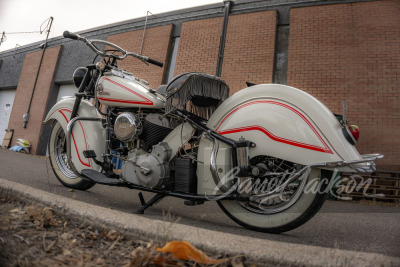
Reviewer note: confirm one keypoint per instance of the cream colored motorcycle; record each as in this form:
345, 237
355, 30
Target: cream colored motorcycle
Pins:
266, 154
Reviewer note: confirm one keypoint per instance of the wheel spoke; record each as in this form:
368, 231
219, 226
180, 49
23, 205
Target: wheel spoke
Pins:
278, 171
61, 156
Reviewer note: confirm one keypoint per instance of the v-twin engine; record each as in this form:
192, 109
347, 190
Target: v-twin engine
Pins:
150, 128
150, 169
148, 160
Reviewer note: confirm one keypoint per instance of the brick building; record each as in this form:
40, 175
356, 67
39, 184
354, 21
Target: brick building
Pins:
335, 50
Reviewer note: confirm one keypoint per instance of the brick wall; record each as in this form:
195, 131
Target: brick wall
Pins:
249, 49
39, 102
352, 52
156, 46
198, 46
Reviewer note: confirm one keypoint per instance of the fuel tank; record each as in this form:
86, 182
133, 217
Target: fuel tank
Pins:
116, 89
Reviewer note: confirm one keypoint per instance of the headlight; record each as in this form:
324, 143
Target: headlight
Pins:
78, 76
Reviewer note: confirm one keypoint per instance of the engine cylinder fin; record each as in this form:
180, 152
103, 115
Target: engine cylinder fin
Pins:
152, 134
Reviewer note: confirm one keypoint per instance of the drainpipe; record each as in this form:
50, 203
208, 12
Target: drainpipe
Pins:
228, 4
44, 46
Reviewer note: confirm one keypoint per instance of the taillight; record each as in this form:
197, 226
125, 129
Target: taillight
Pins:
355, 131
352, 133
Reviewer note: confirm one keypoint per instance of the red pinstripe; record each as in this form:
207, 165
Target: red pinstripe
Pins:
73, 138
144, 102
324, 149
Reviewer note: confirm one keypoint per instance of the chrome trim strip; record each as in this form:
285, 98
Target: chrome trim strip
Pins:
366, 158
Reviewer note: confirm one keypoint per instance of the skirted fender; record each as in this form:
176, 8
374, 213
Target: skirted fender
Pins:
283, 122
86, 135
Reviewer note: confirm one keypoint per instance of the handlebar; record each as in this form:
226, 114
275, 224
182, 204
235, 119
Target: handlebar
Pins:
123, 52
70, 35
155, 62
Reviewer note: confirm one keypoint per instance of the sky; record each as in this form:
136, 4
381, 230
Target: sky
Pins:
75, 15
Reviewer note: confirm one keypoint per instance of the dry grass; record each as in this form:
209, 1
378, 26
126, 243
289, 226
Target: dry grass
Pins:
35, 235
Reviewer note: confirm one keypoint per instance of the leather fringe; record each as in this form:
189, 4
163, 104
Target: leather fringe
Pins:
198, 93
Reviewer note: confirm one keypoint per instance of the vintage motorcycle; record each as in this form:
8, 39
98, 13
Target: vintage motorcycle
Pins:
266, 154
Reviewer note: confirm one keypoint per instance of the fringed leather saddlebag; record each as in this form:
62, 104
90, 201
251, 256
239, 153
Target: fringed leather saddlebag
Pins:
198, 93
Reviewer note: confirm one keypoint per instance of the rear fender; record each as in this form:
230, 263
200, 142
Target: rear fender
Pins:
283, 122
86, 135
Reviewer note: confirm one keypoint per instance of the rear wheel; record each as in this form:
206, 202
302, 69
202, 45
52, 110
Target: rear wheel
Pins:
293, 206
59, 162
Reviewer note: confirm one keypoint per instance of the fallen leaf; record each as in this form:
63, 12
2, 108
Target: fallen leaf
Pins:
67, 252
66, 236
163, 261
50, 246
100, 261
14, 211
92, 236
185, 251
112, 235
48, 213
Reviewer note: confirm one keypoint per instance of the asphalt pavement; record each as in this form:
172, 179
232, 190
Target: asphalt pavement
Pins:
343, 225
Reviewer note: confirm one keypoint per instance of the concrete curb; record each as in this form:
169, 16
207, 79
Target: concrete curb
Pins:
260, 250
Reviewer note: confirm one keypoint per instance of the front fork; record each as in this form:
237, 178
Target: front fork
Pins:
88, 88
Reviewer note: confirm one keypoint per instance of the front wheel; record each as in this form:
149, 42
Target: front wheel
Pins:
272, 217
59, 162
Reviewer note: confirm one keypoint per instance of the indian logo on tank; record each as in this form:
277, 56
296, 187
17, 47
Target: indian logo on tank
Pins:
100, 90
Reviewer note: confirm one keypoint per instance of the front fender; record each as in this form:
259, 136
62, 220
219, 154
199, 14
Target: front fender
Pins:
86, 135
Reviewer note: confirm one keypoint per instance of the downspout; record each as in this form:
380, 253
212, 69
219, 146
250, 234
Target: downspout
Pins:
228, 4
26, 115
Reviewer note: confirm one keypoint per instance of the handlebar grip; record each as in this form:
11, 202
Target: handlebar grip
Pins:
70, 35
155, 62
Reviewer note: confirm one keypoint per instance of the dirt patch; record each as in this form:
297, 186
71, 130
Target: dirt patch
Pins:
34, 235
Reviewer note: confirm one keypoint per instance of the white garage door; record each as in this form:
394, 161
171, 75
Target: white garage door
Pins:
6, 103
66, 90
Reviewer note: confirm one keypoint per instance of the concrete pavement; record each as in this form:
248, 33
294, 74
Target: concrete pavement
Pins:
343, 225
261, 250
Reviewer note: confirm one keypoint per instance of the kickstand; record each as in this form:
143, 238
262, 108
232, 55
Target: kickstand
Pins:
148, 204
